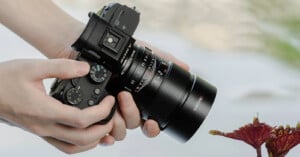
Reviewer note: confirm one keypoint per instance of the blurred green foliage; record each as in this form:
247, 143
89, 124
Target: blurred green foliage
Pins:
283, 49
281, 37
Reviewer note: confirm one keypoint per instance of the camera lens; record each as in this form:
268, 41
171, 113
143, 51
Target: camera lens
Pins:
178, 100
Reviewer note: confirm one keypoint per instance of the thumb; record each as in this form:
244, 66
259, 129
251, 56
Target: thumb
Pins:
63, 68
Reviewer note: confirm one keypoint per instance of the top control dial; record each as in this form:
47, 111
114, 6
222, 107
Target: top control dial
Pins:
98, 73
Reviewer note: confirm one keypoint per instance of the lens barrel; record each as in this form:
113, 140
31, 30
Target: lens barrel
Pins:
178, 100
188, 117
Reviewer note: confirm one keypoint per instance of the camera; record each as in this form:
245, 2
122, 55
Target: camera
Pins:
178, 100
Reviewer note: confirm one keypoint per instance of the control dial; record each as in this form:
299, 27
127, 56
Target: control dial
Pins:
74, 96
98, 73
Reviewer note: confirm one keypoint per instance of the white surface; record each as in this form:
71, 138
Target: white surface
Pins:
248, 84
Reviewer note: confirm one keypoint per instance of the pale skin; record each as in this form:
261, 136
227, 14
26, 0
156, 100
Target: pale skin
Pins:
23, 98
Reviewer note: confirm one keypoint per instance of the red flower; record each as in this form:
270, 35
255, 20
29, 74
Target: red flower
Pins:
254, 134
282, 140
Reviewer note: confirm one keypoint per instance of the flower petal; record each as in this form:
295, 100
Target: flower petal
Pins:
282, 140
254, 134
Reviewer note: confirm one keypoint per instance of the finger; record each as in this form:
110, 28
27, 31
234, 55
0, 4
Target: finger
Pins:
69, 148
119, 128
129, 110
77, 118
151, 128
60, 68
81, 137
107, 140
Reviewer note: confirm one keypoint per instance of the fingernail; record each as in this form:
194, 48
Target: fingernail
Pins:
125, 96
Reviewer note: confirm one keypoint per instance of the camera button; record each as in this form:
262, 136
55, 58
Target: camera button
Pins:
97, 91
91, 102
111, 41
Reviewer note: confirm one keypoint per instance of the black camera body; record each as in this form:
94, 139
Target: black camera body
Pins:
102, 44
178, 100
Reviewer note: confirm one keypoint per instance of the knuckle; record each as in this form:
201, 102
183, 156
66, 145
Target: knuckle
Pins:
36, 129
62, 67
59, 62
61, 73
80, 123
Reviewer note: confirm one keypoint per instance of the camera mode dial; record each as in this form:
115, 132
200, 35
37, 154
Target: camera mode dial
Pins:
98, 73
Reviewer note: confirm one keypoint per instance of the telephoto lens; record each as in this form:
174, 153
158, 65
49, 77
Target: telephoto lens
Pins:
178, 100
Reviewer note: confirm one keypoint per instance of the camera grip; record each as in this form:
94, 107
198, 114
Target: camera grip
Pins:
86, 91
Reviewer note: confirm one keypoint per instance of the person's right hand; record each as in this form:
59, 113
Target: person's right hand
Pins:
25, 103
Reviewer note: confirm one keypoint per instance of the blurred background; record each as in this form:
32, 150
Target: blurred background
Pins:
221, 25
250, 50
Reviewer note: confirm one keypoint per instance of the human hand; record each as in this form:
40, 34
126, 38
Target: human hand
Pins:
56, 34
25, 103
